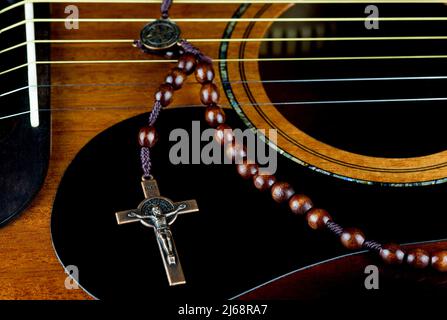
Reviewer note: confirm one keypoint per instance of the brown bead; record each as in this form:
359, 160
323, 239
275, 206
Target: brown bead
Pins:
263, 182
392, 254
282, 191
204, 72
164, 94
299, 204
317, 218
209, 94
176, 77
418, 258
187, 63
214, 115
352, 238
235, 152
223, 134
247, 170
439, 261
147, 137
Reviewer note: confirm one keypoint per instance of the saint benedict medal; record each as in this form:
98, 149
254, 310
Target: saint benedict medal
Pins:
159, 213
162, 34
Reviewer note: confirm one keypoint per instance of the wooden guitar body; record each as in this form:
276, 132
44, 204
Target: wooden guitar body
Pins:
29, 267
356, 181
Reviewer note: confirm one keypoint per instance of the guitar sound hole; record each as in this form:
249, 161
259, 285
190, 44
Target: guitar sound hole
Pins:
408, 128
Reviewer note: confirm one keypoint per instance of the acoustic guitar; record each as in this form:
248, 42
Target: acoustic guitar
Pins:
355, 92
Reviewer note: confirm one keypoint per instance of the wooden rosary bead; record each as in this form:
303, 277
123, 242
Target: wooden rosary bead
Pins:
392, 254
235, 151
209, 94
214, 115
164, 94
418, 258
223, 134
176, 77
247, 170
204, 72
147, 137
282, 191
352, 238
263, 182
299, 204
439, 260
187, 62
317, 218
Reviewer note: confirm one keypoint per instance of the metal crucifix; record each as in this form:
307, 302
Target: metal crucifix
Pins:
159, 213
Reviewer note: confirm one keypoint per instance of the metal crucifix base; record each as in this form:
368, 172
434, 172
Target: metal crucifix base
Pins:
159, 213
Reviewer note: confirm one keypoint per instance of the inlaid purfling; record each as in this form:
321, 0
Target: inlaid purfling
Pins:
159, 213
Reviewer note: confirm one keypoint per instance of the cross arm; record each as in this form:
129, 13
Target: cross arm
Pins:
122, 217
191, 206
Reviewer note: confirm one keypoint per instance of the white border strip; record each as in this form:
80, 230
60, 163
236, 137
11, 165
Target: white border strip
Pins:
32, 67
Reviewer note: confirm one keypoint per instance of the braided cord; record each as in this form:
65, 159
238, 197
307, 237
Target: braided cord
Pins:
187, 47
335, 228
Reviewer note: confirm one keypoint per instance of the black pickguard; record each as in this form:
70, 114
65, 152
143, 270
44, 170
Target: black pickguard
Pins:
239, 239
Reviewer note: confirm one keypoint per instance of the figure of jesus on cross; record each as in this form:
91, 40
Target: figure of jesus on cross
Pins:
159, 213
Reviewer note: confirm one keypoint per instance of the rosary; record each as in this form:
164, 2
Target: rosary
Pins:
163, 36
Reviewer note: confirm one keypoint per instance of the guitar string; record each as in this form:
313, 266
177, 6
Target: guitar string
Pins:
144, 84
226, 2
318, 102
269, 20
18, 4
217, 20
238, 19
232, 19
353, 58
213, 40
223, 2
